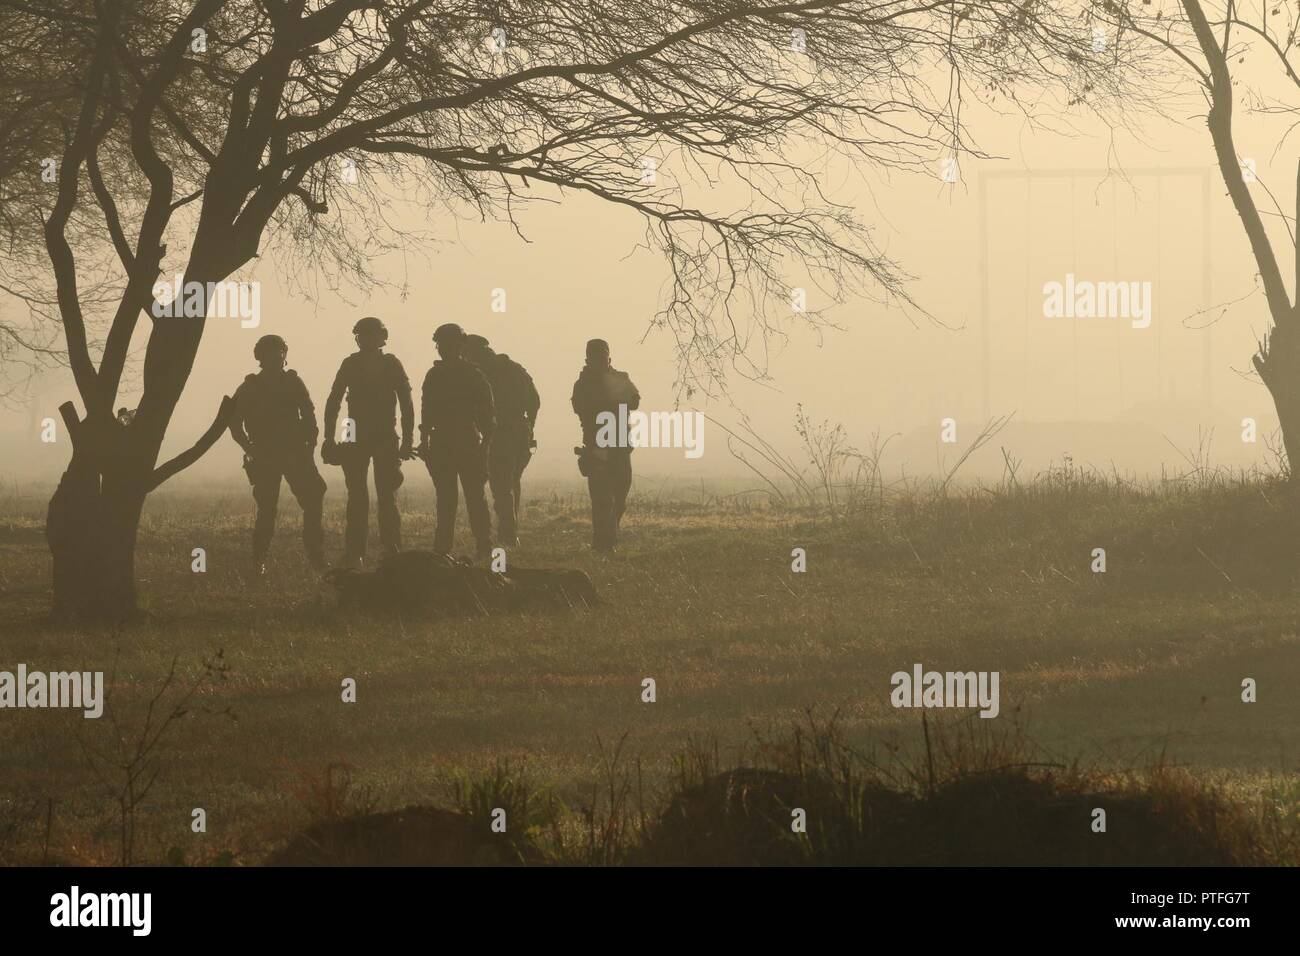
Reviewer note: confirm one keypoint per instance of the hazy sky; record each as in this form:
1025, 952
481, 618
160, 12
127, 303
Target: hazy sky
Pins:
1126, 388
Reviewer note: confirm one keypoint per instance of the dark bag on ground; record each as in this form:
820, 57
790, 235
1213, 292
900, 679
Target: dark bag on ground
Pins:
428, 582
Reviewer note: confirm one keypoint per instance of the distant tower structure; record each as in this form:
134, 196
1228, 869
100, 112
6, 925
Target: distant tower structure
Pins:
987, 177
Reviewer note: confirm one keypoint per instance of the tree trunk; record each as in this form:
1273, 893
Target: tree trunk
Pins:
91, 528
1278, 364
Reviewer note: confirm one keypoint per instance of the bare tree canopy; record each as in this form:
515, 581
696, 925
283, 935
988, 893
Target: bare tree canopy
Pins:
190, 137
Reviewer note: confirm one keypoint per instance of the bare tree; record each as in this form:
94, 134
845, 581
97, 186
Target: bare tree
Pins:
1206, 41
204, 131
33, 81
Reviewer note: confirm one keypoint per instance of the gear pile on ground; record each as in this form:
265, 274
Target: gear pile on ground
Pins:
428, 582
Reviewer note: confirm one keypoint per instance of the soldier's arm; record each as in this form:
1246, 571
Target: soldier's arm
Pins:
485, 412
335, 401
576, 400
237, 430
307, 412
240, 436
633, 396
426, 405
532, 401
402, 385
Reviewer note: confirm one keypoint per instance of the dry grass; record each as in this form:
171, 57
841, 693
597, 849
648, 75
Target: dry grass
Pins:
1105, 670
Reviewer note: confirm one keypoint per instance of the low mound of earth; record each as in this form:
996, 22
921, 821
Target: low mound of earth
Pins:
414, 836
1001, 818
744, 817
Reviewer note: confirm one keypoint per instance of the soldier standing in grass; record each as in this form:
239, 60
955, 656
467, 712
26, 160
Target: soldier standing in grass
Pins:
275, 423
457, 424
517, 403
602, 388
376, 386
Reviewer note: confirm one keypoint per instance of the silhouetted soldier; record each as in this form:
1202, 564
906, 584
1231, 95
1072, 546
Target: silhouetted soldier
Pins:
376, 385
275, 423
517, 403
602, 388
457, 421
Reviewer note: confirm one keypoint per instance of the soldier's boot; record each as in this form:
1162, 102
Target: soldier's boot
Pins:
601, 511
309, 488
444, 486
266, 497
313, 535
516, 504
390, 528
501, 480
313, 539
444, 529
504, 508
388, 478
261, 547
621, 479
606, 539
506, 533
507, 522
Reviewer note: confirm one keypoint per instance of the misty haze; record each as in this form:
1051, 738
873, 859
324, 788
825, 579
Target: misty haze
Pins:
651, 433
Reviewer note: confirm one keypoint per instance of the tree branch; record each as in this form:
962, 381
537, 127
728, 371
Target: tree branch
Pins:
1219, 121
198, 449
109, 207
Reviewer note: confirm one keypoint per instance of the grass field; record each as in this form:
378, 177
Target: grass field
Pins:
1120, 670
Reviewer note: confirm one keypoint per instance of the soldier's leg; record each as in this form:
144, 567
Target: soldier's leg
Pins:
266, 497
355, 470
443, 472
602, 504
388, 478
308, 487
473, 479
621, 484
521, 462
501, 475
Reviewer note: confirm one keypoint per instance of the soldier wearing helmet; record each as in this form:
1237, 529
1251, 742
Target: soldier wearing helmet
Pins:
517, 404
376, 386
457, 423
602, 388
275, 423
